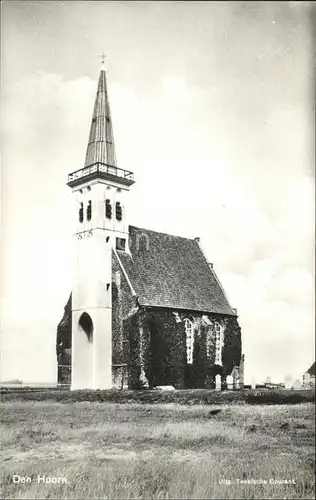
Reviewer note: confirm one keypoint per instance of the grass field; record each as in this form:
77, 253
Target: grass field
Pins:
156, 451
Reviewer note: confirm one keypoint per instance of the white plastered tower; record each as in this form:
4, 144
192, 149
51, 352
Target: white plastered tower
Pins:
99, 191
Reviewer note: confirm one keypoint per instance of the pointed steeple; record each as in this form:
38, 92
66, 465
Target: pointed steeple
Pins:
100, 162
101, 147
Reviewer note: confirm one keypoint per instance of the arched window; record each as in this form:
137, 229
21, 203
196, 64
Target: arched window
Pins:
108, 209
189, 340
81, 213
89, 210
209, 339
118, 211
209, 329
218, 343
86, 324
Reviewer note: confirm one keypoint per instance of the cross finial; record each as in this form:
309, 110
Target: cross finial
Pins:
102, 57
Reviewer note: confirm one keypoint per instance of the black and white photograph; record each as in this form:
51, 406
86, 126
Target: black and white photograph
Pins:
157, 250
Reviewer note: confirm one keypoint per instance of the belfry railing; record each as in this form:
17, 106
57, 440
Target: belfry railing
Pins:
101, 170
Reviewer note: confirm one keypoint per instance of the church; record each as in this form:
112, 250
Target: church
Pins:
146, 308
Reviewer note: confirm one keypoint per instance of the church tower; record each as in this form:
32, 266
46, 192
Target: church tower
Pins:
100, 224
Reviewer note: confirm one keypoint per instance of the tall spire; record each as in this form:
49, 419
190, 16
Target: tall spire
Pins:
100, 162
101, 148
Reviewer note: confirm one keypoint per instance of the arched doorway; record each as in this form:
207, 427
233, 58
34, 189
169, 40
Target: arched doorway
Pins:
85, 322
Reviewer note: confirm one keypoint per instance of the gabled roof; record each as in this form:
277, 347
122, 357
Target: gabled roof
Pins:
172, 272
311, 370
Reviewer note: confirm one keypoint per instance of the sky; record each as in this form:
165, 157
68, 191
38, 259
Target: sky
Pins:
213, 110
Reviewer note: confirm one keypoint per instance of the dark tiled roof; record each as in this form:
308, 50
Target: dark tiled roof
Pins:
170, 271
311, 370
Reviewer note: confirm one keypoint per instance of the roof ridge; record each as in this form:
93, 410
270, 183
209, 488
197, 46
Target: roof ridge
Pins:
161, 233
212, 270
125, 273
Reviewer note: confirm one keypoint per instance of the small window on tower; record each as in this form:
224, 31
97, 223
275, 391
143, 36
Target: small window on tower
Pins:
89, 210
81, 212
108, 209
118, 211
120, 244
